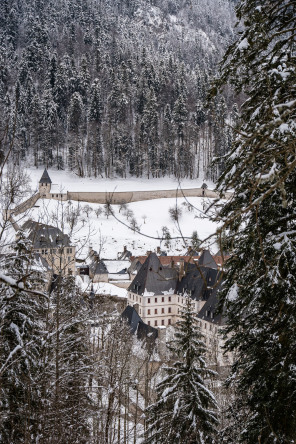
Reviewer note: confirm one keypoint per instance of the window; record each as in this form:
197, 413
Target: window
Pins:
178, 299
133, 297
149, 311
162, 322
170, 299
69, 258
148, 322
162, 310
205, 326
140, 311
148, 300
169, 322
162, 299
155, 323
155, 300
170, 310
155, 311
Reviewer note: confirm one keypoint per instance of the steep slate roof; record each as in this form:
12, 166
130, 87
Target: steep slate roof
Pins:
198, 282
153, 278
208, 311
207, 260
45, 236
137, 326
98, 267
45, 177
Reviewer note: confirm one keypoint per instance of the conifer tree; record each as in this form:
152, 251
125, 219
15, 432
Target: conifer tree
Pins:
66, 412
21, 337
185, 409
260, 225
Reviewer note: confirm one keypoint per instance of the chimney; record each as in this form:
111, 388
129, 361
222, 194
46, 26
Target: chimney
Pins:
181, 270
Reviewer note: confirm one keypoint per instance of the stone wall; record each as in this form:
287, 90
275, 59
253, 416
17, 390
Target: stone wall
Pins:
26, 205
136, 196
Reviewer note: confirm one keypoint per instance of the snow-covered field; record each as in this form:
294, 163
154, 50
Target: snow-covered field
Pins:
109, 235
68, 181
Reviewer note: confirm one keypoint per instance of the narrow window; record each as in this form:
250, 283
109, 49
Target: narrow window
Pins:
148, 322
155, 300
149, 311
170, 310
169, 322
155, 311
162, 322
155, 323
162, 310
170, 299
148, 300
162, 299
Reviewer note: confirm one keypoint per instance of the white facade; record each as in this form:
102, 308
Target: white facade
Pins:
160, 310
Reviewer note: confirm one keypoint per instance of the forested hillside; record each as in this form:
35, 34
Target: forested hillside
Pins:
114, 88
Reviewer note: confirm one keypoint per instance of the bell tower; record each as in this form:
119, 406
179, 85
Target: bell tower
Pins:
45, 185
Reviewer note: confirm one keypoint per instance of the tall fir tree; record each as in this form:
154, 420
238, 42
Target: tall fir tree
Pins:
259, 222
21, 328
185, 409
67, 410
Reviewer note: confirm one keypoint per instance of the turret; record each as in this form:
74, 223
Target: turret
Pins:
45, 185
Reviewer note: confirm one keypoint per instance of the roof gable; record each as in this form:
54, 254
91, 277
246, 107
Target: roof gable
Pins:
207, 260
153, 278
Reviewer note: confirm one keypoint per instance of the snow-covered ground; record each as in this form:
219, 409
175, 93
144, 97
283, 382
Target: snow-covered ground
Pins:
68, 181
102, 288
109, 235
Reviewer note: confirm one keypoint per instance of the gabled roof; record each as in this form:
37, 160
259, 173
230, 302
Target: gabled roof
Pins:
45, 236
98, 267
45, 177
207, 260
137, 326
153, 278
198, 282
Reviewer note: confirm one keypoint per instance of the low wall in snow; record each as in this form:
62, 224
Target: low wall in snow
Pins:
137, 196
26, 205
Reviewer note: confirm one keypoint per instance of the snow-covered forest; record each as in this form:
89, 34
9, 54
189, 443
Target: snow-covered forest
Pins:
115, 88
